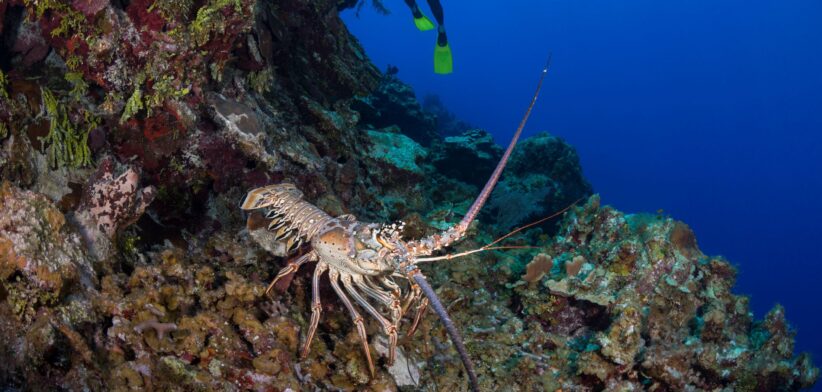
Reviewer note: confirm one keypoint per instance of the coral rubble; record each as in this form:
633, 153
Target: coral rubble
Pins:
129, 131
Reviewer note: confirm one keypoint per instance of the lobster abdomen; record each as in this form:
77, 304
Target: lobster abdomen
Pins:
293, 219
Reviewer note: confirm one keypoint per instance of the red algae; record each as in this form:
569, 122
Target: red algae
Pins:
154, 280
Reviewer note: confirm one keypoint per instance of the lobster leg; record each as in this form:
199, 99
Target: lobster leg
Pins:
391, 285
422, 305
387, 327
293, 266
372, 290
316, 307
410, 298
421, 308
334, 276
392, 302
395, 306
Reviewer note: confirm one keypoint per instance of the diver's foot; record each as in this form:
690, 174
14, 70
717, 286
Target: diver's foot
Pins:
443, 60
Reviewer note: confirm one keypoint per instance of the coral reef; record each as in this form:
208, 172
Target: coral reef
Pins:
46, 285
394, 103
397, 153
129, 131
544, 176
647, 309
448, 124
469, 157
109, 203
38, 247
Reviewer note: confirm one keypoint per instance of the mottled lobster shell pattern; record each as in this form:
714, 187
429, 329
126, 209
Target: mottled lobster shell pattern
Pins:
293, 220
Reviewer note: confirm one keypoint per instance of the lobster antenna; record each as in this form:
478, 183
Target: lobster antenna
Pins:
489, 186
431, 244
449, 327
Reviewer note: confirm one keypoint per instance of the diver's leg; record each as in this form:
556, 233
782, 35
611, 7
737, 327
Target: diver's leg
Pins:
436, 10
420, 20
439, 16
443, 60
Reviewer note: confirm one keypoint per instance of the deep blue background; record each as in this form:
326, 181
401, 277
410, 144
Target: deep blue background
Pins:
708, 110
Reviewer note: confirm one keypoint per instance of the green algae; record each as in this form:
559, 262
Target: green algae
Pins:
133, 105
70, 20
172, 10
162, 90
66, 144
79, 86
209, 20
3, 85
260, 81
73, 62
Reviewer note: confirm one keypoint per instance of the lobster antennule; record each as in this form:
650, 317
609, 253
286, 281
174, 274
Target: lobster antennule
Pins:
470, 252
491, 245
453, 234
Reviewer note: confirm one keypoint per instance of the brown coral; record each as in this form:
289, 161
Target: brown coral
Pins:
537, 268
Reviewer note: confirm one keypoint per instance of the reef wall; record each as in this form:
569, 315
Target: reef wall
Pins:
131, 130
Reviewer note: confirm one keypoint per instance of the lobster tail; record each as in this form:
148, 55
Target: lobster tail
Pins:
268, 196
292, 219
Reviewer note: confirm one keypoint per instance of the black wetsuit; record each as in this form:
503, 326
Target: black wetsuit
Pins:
436, 10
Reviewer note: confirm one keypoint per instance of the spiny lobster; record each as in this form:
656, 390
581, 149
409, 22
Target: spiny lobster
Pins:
363, 259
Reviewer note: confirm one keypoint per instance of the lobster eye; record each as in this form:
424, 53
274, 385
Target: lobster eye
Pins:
385, 242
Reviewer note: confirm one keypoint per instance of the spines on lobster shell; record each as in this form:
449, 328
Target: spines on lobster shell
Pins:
293, 220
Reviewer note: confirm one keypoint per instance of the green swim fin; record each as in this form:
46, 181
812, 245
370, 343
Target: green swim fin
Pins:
423, 23
443, 61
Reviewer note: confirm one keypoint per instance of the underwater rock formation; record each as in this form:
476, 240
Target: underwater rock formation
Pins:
630, 302
469, 157
47, 283
142, 124
397, 155
111, 201
38, 246
544, 176
394, 103
448, 124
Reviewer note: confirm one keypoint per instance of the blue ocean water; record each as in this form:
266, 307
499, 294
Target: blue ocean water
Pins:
710, 111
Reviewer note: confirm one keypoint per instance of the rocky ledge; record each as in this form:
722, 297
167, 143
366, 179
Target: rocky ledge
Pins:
131, 130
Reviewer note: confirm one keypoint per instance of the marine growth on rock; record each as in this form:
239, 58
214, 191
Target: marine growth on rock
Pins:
130, 131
